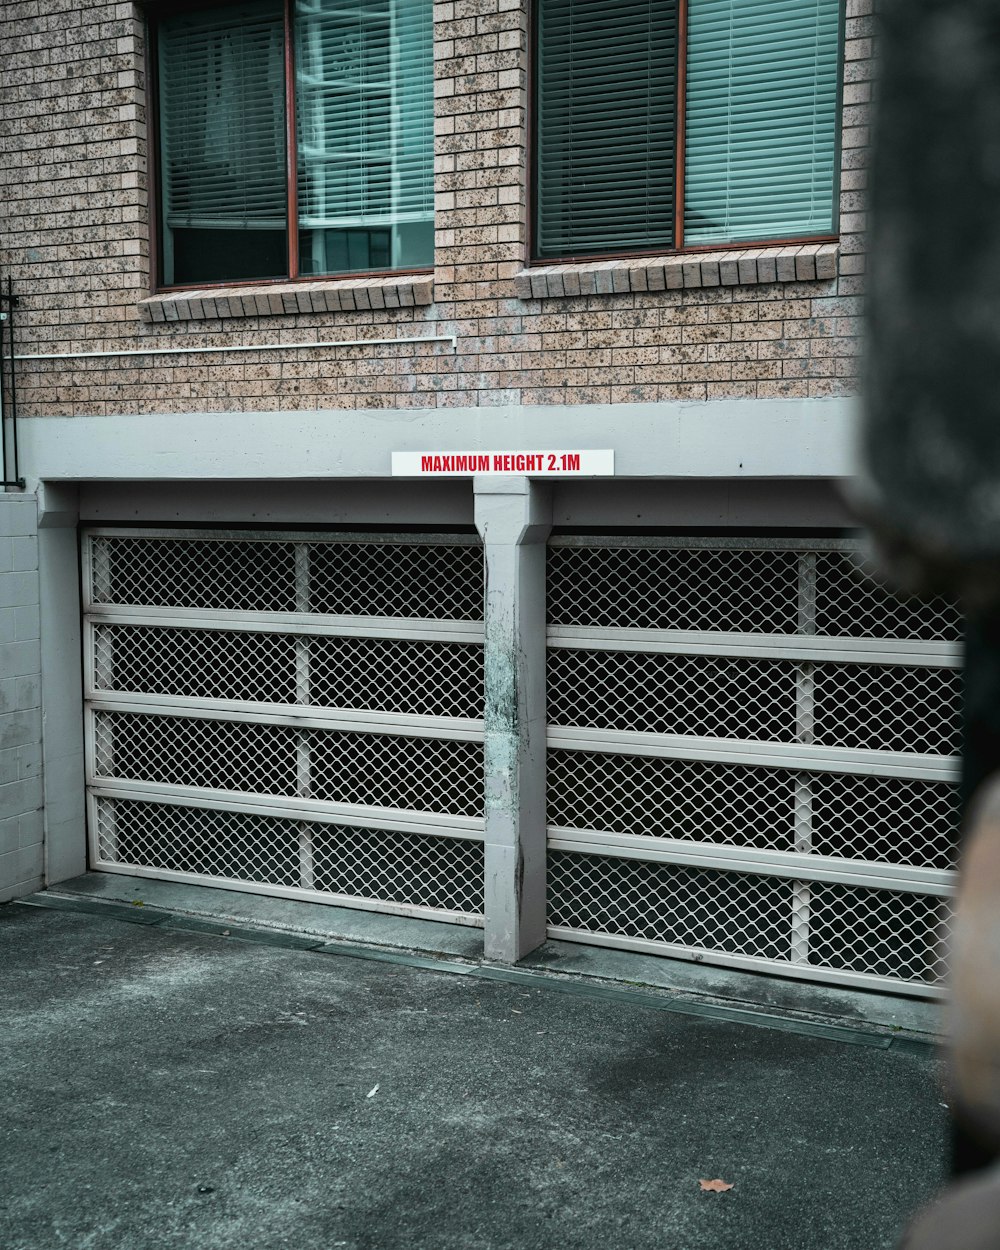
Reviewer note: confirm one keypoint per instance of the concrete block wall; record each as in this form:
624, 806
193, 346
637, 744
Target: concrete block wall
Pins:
75, 238
21, 863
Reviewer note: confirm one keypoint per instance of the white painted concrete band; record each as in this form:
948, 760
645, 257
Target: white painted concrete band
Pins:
782, 439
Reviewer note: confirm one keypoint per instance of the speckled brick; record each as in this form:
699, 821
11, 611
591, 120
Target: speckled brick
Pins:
77, 245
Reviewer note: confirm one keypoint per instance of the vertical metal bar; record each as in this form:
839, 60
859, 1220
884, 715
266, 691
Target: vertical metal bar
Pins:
104, 830
99, 590
679, 124
104, 750
291, 148
303, 782
99, 659
805, 731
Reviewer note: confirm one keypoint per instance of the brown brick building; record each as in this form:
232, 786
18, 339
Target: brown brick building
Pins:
255, 250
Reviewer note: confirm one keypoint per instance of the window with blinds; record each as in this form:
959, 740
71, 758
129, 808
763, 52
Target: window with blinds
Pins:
606, 101
757, 107
363, 135
222, 144
365, 138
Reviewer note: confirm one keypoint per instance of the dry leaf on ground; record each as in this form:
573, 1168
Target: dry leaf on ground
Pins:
716, 1187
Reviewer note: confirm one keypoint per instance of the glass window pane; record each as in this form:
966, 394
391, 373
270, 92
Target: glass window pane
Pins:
365, 134
222, 145
606, 100
761, 115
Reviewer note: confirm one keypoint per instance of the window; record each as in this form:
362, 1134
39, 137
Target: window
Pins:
295, 140
663, 124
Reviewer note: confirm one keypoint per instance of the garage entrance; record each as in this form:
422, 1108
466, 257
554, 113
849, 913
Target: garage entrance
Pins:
751, 757
288, 713
751, 748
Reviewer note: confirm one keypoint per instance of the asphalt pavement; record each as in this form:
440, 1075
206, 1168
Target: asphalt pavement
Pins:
171, 1084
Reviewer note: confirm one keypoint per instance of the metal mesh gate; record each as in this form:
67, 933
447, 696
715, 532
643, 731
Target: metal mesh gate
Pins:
751, 758
297, 715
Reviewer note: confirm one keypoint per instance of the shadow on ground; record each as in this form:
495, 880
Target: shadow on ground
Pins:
167, 1090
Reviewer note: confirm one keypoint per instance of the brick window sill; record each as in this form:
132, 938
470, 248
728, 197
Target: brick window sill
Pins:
351, 295
753, 266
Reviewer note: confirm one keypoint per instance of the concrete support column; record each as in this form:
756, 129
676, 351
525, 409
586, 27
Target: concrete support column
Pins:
62, 682
514, 517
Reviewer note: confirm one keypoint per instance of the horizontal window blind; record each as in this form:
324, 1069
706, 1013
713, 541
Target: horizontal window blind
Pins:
606, 101
761, 113
222, 127
364, 113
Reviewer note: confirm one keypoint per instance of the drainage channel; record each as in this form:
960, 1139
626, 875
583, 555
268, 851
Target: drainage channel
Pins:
561, 983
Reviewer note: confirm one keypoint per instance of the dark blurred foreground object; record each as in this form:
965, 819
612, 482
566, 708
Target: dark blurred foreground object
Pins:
929, 485
967, 1217
930, 473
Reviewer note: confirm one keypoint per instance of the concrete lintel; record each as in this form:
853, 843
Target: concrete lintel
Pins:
748, 439
514, 517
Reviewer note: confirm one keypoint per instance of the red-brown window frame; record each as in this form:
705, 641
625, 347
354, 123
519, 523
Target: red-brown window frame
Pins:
167, 8
679, 249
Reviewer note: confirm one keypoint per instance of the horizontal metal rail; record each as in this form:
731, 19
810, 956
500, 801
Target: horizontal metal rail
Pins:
301, 623
793, 755
293, 715
802, 647
800, 866
717, 543
420, 538
752, 963
319, 811
297, 894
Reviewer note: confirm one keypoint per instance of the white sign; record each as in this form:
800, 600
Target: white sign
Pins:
484, 463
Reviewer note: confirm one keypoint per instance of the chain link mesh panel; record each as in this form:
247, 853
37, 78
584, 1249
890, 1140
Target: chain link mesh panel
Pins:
663, 798
851, 705
440, 580
715, 911
239, 575
397, 675
885, 819
887, 708
377, 674
416, 578
742, 587
421, 774
850, 603
672, 694
195, 663
370, 864
874, 932
877, 932
669, 588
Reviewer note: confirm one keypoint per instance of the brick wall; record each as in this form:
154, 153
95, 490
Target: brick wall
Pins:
20, 700
75, 239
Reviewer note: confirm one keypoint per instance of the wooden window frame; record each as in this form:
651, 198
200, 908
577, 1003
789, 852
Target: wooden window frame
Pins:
169, 8
679, 248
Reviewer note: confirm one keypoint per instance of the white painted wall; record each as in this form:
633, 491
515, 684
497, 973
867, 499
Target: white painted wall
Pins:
21, 826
